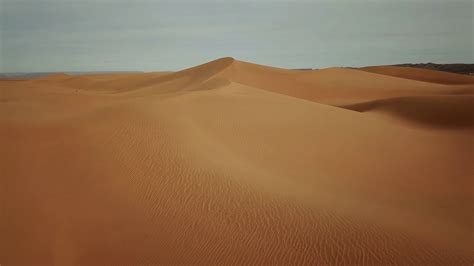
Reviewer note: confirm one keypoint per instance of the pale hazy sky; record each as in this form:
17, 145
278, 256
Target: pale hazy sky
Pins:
93, 35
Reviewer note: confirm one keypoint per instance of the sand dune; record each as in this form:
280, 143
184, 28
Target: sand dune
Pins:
236, 163
421, 74
439, 111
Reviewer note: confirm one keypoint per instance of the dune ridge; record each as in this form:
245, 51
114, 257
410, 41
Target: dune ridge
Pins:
231, 162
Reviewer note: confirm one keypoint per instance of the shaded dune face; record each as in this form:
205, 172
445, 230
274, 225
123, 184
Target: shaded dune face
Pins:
236, 163
441, 111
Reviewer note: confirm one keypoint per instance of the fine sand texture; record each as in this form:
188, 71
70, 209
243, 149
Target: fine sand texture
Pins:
231, 162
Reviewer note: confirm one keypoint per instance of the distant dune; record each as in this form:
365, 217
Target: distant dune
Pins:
231, 162
422, 74
466, 69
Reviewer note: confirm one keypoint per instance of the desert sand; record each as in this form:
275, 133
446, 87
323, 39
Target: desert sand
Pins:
231, 162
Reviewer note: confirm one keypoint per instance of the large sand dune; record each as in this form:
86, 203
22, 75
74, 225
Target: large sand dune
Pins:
235, 163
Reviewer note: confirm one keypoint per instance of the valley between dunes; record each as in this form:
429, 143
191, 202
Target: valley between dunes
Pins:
231, 162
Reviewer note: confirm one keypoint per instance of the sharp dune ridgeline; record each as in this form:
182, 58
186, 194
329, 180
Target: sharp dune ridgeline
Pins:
231, 162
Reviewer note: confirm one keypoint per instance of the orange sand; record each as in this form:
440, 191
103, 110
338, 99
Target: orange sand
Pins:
235, 163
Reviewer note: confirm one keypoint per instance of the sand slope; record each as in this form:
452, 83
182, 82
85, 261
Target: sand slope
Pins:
235, 163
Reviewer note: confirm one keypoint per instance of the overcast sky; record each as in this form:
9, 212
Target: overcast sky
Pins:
93, 35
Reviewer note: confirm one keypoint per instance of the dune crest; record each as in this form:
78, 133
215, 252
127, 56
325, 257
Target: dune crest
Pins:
231, 162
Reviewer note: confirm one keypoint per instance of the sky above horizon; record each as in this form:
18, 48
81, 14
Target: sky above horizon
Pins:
153, 35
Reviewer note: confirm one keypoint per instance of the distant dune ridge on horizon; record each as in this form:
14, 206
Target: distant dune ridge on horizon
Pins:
465, 69
231, 162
